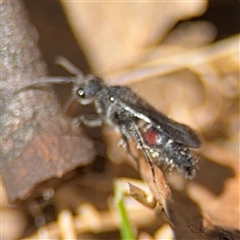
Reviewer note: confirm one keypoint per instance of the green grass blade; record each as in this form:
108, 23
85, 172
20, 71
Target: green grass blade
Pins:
126, 230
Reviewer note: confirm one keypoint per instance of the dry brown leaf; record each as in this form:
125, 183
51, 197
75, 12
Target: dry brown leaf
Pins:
38, 141
218, 200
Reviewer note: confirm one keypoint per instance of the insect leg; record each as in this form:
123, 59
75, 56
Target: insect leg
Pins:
89, 121
141, 145
68, 104
124, 143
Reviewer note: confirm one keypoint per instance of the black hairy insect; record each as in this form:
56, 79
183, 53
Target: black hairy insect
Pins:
160, 139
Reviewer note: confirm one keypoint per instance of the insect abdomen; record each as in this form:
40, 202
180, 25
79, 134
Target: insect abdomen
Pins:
179, 156
163, 149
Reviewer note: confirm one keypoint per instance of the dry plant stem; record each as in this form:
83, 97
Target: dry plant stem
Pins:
92, 221
39, 142
163, 195
66, 223
160, 188
186, 59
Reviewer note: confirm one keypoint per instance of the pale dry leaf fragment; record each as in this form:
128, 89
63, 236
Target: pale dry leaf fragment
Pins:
137, 211
141, 196
164, 232
144, 236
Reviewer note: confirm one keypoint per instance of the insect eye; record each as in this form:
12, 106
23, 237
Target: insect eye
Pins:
112, 99
81, 92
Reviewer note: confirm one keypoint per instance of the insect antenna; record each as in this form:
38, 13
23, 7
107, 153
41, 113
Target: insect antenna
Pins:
63, 62
68, 66
80, 78
46, 81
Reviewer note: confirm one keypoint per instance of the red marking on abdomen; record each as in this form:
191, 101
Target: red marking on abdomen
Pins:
151, 136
